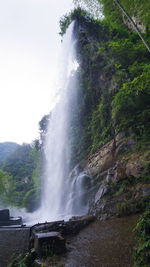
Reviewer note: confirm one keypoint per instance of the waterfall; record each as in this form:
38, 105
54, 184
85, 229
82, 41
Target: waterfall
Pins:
58, 189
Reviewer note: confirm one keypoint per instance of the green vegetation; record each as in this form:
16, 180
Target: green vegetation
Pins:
142, 253
136, 8
66, 20
131, 105
25, 260
20, 178
21, 171
5, 186
114, 78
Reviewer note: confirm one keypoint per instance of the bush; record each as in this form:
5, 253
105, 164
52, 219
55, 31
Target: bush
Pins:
131, 105
142, 253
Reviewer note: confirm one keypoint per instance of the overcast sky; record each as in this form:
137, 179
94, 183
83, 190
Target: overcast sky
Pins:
29, 45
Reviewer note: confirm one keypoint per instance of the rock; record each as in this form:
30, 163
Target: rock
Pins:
37, 263
101, 160
142, 190
121, 147
120, 136
131, 142
138, 23
104, 209
112, 174
134, 168
146, 190
116, 173
101, 192
82, 220
49, 243
103, 217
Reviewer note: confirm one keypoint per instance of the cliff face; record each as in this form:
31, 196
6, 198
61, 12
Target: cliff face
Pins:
113, 134
119, 178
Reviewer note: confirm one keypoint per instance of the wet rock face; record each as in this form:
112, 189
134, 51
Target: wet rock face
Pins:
134, 168
101, 160
117, 186
101, 192
116, 173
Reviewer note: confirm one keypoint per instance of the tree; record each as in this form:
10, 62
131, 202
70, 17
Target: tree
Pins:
5, 186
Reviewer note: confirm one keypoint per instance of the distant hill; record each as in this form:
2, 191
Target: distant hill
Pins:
6, 149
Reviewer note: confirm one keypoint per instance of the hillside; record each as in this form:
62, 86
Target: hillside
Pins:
6, 149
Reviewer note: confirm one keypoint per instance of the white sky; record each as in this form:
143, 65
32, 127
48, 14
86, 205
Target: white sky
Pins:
29, 45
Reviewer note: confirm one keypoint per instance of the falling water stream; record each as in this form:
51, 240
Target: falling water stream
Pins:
59, 192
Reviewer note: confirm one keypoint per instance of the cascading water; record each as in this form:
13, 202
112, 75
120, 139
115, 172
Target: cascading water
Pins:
59, 191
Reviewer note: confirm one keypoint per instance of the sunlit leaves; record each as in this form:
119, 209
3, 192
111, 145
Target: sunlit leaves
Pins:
132, 103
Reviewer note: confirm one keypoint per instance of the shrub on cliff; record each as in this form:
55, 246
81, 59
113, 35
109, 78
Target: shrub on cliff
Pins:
142, 253
131, 105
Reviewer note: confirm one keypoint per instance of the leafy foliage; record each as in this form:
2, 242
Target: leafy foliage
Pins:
76, 14
142, 253
131, 105
20, 175
43, 128
5, 186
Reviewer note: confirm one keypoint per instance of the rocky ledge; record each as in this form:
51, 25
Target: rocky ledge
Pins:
119, 175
